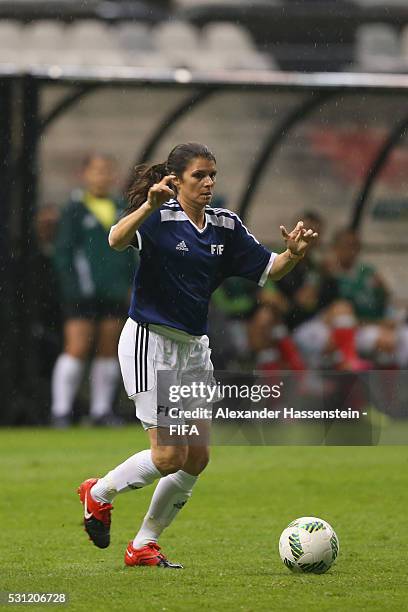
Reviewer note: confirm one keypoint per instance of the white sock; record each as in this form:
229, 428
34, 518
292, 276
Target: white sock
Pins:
134, 473
104, 376
171, 493
66, 378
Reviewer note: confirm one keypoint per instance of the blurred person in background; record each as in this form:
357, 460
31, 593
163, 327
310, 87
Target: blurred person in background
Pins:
309, 288
379, 338
231, 305
270, 341
353, 332
297, 297
261, 341
358, 282
322, 320
235, 298
94, 285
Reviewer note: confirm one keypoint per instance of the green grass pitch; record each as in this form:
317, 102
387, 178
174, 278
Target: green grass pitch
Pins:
227, 535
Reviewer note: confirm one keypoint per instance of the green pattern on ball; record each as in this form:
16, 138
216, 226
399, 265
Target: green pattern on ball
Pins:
334, 546
312, 526
314, 568
289, 563
295, 546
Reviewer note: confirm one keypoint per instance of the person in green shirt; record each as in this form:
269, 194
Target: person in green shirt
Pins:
94, 283
358, 282
379, 338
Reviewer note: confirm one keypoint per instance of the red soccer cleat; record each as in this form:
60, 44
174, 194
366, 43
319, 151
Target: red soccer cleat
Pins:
148, 555
97, 516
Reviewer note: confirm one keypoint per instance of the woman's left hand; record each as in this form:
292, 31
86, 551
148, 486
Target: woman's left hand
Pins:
299, 239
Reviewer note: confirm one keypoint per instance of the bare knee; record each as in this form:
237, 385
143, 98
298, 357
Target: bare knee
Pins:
169, 459
108, 335
78, 337
197, 460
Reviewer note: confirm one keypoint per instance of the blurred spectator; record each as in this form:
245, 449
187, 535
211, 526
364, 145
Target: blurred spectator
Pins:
309, 288
262, 342
236, 297
270, 341
334, 306
358, 282
94, 287
379, 338
328, 341
351, 333
323, 325
231, 305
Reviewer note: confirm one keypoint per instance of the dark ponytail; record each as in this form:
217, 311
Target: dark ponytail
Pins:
146, 176
143, 178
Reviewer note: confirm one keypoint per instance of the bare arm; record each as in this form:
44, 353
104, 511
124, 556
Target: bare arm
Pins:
283, 263
123, 233
297, 243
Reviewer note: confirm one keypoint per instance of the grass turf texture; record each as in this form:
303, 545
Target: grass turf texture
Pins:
226, 536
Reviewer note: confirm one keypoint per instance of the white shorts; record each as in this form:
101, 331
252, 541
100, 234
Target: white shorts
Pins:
151, 361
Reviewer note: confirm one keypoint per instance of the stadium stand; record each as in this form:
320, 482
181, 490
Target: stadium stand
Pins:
310, 36
94, 43
137, 45
378, 47
380, 3
134, 37
231, 46
178, 43
404, 47
45, 42
223, 3
171, 43
10, 42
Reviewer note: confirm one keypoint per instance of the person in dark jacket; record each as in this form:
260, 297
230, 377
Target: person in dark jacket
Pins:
94, 286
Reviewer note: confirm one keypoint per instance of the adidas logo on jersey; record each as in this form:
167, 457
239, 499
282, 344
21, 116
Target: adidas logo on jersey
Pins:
182, 246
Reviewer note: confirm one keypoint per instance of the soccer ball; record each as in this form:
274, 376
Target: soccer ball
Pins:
309, 544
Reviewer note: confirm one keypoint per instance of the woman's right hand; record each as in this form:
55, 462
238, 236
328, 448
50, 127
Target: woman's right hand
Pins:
123, 233
159, 193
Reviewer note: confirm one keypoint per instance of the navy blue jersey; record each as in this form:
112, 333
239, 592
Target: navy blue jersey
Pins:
181, 265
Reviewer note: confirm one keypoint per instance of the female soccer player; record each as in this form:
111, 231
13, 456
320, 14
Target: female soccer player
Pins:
186, 249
